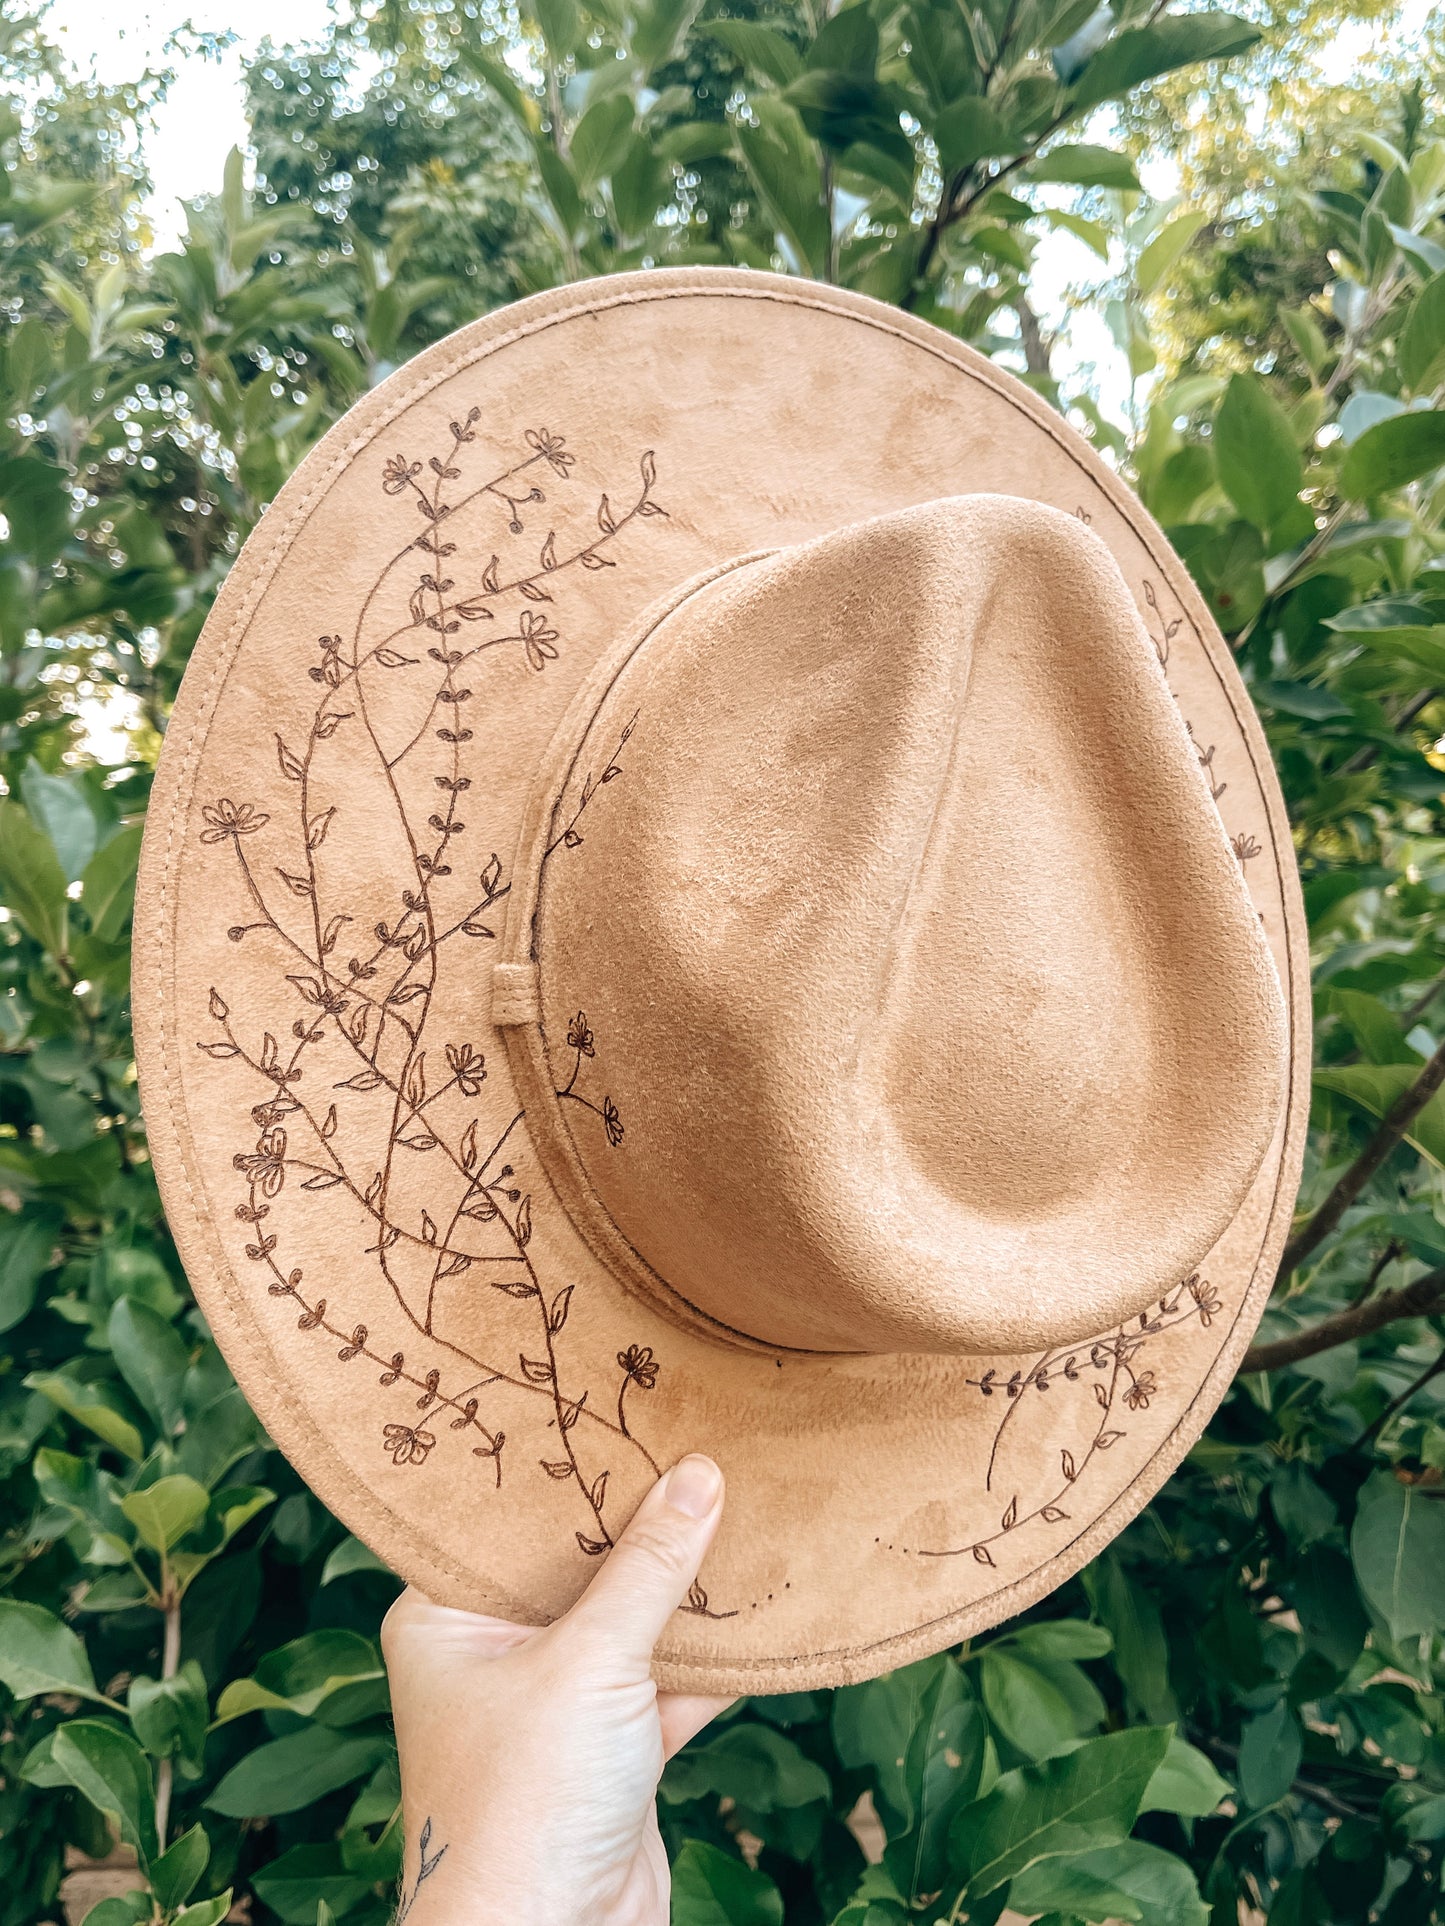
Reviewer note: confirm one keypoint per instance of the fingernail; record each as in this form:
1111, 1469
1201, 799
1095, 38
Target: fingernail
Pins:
693, 1485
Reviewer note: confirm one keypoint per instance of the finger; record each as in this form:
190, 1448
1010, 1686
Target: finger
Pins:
652, 1564
443, 1628
683, 1715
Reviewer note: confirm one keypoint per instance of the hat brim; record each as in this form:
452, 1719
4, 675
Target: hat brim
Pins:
879, 1508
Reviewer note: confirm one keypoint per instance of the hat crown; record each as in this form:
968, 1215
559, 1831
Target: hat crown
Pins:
921, 1001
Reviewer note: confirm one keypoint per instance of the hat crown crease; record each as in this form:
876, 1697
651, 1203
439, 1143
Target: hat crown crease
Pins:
910, 1046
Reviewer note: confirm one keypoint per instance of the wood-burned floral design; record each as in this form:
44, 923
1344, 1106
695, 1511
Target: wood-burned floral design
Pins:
353, 1078
1117, 1383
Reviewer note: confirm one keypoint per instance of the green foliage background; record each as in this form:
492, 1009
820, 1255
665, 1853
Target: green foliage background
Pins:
1237, 1707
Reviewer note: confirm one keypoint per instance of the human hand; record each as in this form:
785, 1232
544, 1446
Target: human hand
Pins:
530, 1758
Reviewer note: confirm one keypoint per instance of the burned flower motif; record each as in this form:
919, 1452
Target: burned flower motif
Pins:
1205, 1297
553, 450
406, 1445
611, 1122
398, 474
639, 1365
265, 1166
226, 818
468, 1066
267, 1115
1244, 846
539, 639
1141, 1391
579, 1036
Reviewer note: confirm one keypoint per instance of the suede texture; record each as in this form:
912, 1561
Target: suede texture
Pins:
914, 934
712, 886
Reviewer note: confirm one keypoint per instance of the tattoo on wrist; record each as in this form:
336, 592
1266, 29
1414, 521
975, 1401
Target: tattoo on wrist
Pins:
427, 1863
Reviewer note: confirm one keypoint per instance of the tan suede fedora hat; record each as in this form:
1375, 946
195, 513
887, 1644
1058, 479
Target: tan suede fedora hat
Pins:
712, 886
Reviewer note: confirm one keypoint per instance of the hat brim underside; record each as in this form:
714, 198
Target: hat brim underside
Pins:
332, 1115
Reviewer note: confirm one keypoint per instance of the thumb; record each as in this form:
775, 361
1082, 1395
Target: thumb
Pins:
653, 1563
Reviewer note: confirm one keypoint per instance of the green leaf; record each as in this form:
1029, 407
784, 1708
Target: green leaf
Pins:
784, 166
1377, 1086
107, 889
1269, 1756
943, 1761
1158, 1884
152, 1358
1089, 1798
206, 1912
561, 185
307, 1877
27, 1244
762, 49
164, 1512
109, 1767
1042, 1709
28, 362
1060, 1638
1185, 1783
1377, 1031
1398, 1548
1168, 247
754, 1765
59, 805
561, 24
643, 182
170, 1716
1421, 352
1064, 1886
657, 28
35, 496
122, 1909
38, 1653
711, 1888
32, 883
1143, 53
875, 1901
1092, 233
1385, 612
175, 1874
600, 139
1302, 699
1258, 463
970, 130
1394, 453
350, 1556
1308, 336
300, 1676
1085, 166
289, 1773
1141, 1652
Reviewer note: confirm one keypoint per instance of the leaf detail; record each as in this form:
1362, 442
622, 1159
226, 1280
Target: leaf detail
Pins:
316, 829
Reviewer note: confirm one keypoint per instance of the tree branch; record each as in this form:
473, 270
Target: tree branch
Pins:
1420, 1299
1398, 1404
1037, 345
1397, 1120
